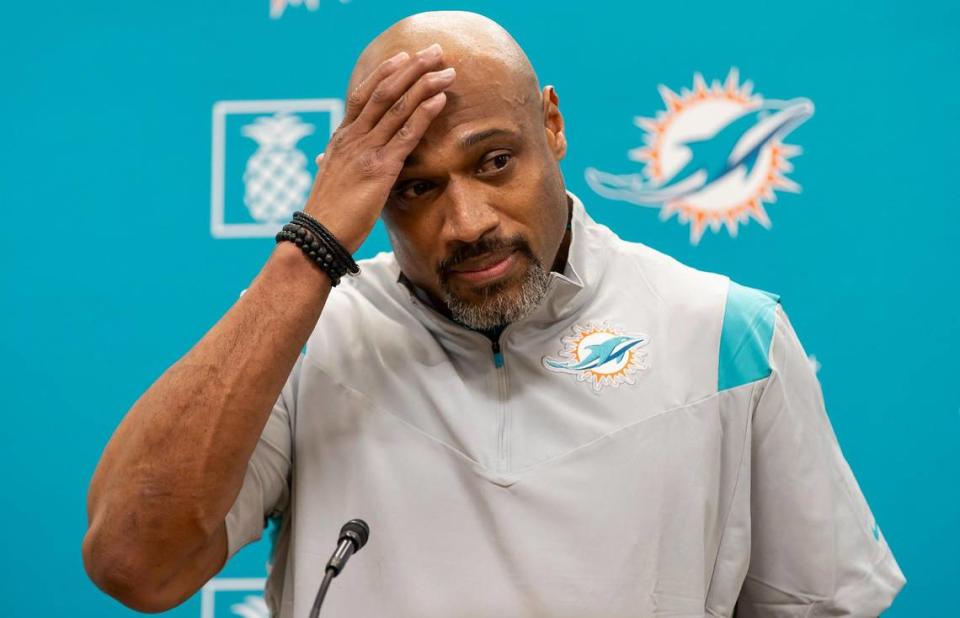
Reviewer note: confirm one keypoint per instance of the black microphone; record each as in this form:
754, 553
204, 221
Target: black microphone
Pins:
353, 536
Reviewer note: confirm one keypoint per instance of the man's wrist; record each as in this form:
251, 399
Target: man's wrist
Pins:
296, 265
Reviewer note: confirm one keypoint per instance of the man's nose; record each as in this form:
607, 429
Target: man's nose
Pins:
468, 215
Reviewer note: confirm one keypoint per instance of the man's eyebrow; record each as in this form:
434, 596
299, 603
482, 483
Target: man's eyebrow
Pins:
471, 139
475, 138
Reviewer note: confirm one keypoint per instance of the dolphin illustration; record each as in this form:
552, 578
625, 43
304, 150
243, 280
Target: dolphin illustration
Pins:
735, 145
611, 350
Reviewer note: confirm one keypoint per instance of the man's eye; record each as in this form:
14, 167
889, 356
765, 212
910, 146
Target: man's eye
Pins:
496, 162
415, 189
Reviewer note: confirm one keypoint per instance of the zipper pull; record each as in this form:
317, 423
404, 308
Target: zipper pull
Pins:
497, 354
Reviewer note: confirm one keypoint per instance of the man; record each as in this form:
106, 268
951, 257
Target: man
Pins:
535, 417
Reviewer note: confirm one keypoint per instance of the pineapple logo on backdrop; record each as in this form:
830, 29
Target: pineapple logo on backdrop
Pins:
714, 156
263, 161
276, 176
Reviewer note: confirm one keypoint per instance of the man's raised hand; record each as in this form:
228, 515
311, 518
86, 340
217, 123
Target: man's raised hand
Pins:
385, 118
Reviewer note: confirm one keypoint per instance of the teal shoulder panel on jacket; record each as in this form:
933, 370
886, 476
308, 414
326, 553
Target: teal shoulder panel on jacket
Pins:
745, 337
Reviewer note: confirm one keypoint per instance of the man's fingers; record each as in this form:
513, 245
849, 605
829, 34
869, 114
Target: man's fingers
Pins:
361, 94
427, 86
316, 178
392, 88
408, 136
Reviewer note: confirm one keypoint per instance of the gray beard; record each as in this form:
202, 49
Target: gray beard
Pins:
498, 308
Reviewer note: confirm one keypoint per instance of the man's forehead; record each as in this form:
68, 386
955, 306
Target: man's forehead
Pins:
484, 88
495, 93
477, 112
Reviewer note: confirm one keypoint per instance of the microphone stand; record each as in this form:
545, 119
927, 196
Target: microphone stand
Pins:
317, 602
353, 536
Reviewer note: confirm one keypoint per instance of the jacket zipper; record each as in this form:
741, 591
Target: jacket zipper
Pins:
497, 355
503, 434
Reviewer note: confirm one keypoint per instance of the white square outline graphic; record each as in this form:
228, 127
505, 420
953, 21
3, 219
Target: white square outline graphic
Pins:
218, 227
233, 584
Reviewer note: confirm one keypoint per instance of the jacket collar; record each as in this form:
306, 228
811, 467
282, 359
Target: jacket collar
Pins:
567, 291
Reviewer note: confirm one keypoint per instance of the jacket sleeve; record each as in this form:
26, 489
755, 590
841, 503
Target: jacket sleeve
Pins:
816, 549
266, 486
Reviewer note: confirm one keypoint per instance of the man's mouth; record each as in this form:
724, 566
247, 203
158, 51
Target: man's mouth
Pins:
487, 268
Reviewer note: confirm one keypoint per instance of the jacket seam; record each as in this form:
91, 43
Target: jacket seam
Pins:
736, 488
373, 405
628, 427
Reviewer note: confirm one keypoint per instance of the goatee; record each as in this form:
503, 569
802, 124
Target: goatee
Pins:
497, 305
500, 303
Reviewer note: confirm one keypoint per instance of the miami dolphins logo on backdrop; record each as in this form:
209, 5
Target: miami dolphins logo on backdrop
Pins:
601, 355
714, 156
277, 7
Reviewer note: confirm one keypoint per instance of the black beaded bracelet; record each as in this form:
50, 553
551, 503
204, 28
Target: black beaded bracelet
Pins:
329, 253
333, 272
315, 249
323, 248
322, 232
306, 241
333, 246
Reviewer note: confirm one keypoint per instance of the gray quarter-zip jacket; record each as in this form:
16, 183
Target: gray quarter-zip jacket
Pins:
651, 441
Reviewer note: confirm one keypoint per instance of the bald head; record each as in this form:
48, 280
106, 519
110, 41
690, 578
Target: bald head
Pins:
476, 46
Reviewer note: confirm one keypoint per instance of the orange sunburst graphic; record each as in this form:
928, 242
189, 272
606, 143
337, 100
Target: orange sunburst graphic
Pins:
714, 156
600, 355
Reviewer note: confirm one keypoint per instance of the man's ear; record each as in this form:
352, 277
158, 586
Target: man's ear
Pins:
553, 122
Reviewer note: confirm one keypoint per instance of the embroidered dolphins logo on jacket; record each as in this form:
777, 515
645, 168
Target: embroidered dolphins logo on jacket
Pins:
610, 351
601, 355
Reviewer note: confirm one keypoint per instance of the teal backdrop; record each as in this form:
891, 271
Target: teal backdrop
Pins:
113, 267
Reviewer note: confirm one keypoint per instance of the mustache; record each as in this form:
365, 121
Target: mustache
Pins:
466, 251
